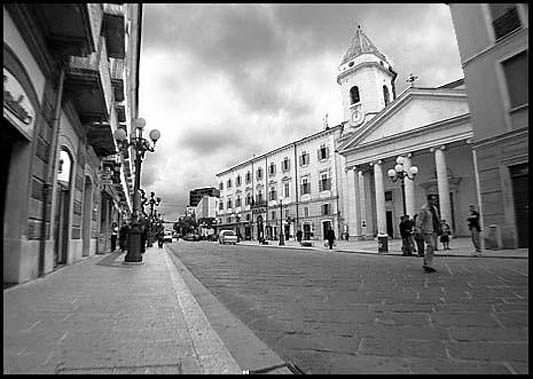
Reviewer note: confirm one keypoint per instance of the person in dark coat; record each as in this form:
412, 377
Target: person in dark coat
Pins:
406, 230
123, 236
114, 236
330, 236
419, 239
299, 236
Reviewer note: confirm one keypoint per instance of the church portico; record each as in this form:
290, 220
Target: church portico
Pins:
446, 172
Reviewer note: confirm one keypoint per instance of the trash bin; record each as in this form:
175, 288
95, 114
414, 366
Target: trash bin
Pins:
383, 245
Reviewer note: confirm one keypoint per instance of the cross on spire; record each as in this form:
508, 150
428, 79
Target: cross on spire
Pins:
412, 79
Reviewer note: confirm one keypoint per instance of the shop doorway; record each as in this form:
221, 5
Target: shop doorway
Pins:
519, 178
87, 216
307, 231
390, 225
62, 209
326, 225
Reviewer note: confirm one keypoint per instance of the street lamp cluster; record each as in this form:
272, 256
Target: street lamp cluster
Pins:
141, 146
400, 172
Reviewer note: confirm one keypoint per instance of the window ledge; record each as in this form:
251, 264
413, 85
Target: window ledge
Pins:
518, 108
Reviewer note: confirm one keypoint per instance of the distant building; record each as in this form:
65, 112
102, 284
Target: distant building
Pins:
207, 207
301, 176
197, 194
493, 44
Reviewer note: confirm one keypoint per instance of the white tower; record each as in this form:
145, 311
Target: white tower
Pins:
367, 80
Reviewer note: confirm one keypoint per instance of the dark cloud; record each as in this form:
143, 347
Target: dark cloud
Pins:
209, 141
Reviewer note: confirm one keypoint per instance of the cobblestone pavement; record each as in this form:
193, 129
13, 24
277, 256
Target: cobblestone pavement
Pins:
331, 312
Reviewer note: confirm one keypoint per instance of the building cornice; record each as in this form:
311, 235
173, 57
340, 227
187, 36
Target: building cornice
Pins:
501, 138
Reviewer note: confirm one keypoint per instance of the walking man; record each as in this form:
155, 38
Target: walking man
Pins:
473, 225
330, 236
428, 224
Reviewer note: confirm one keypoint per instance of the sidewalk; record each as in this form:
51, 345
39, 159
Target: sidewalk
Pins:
100, 316
460, 247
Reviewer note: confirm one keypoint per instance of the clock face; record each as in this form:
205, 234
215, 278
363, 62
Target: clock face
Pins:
357, 117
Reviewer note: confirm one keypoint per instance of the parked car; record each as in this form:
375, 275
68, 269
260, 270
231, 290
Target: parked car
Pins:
227, 236
167, 235
191, 237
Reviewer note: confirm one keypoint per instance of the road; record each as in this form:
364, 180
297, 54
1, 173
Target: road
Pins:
340, 313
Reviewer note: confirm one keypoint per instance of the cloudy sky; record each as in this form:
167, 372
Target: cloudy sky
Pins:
224, 81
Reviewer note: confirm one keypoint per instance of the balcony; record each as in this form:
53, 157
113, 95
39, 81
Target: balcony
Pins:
116, 69
86, 84
114, 29
100, 136
68, 28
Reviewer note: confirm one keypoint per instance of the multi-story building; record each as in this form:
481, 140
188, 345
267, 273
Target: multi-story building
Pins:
493, 45
295, 185
207, 208
196, 195
70, 80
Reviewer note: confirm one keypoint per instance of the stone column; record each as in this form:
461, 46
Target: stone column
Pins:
410, 204
362, 203
380, 198
443, 185
355, 225
349, 200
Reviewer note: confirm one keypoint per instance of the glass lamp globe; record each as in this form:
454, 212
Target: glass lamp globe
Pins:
398, 168
139, 123
399, 160
391, 173
120, 135
155, 135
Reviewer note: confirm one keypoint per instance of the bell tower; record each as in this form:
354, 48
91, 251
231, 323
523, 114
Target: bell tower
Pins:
367, 80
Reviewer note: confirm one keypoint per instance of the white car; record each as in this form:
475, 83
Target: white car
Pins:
167, 236
227, 236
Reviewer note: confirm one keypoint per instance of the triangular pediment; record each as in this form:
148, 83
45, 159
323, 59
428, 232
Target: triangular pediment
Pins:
414, 109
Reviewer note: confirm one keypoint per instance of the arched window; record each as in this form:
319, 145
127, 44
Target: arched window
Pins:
386, 95
354, 94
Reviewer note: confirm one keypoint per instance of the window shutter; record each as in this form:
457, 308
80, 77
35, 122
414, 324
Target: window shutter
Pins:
327, 152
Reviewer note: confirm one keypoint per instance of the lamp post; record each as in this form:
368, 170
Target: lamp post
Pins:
154, 202
140, 145
399, 172
281, 237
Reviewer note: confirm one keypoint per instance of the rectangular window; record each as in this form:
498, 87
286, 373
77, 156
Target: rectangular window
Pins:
248, 177
259, 173
238, 181
272, 169
388, 195
229, 183
286, 164
221, 186
259, 198
229, 204
286, 187
324, 183
306, 212
238, 202
516, 75
505, 19
325, 209
248, 199
306, 186
304, 159
220, 206
272, 195
323, 152
273, 215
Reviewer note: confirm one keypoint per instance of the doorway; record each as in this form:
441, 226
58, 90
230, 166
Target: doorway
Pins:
519, 179
307, 231
390, 224
87, 217
326, 225
62, 209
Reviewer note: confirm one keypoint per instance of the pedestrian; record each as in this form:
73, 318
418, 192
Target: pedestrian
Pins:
419, 239
299, 236
330, 236
122, 236
114, 236
475, 229
160, 234
445, 232
406, 230
143, 225
412, 235
428, 223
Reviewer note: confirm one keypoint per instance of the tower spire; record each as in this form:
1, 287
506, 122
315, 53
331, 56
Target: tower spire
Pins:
361, 44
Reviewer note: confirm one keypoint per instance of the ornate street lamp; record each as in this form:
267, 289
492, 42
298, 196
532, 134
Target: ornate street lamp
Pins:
399, 172
281, 236
141, 146
154, 202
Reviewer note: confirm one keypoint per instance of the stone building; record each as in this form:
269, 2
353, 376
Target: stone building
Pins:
493, 45
292, 187
70, 80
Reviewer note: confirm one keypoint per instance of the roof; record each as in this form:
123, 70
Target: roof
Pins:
361, 44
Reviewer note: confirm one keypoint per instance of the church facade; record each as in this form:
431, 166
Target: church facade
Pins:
428, 127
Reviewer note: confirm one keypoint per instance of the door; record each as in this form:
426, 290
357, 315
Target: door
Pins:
325, 227
61, 226
87, 217
390, 225
307, 231
519, 178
